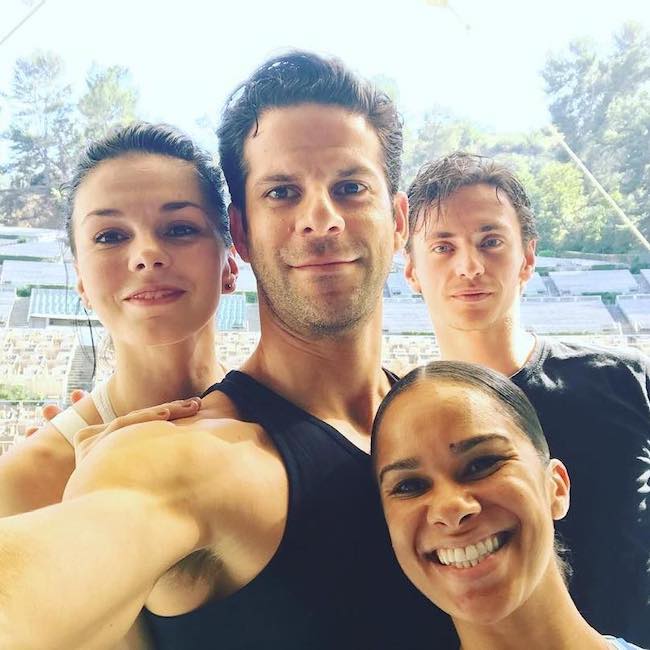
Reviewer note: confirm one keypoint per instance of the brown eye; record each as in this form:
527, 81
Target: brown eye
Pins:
409, 487
482, 465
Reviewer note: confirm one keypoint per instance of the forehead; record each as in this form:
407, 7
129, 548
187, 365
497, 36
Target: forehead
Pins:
310, 139
470, 208
439, 413
134, 178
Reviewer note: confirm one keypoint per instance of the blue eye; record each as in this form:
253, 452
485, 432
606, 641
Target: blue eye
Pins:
110, 237
282, 192
492, 242
409, 487
441, 248
349, 188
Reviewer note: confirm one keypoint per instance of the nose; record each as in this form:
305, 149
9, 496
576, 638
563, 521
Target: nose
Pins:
469, 264
451, 505
320, 216
148, 253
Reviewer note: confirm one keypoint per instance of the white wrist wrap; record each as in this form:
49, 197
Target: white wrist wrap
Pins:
68, 422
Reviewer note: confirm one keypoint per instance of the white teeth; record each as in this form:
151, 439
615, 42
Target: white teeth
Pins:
470, 555
152, 295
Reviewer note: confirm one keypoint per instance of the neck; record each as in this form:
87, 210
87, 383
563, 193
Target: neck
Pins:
149, 375
548, 619
337, 378
504, 347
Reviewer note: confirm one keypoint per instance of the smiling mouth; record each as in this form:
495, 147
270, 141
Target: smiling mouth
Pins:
472, 554
158, 294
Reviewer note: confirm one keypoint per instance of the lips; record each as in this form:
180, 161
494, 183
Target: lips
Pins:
321, 262
154, 293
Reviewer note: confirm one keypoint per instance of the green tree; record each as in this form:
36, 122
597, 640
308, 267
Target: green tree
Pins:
43, 141
109, 100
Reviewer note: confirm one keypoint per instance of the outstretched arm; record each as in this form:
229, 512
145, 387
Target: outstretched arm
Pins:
65, 567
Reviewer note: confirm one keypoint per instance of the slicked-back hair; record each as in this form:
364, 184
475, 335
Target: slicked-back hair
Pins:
437, 181
295, 78
511, 398
159, 139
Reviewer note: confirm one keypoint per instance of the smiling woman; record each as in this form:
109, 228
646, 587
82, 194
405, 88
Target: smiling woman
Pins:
148, 229
470, 495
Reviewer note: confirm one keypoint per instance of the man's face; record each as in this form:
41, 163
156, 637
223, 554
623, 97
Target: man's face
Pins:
322, 227
469, 262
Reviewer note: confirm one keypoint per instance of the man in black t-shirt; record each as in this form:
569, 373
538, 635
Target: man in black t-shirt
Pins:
471, 250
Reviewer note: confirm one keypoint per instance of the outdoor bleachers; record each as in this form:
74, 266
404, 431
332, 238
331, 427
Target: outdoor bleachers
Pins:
405, 316
583, 282
7, 298
57, 304
566, 315
397, 285
51, 250
37, 359
535, 286
232, 312
636, 309
646, 274
17, 273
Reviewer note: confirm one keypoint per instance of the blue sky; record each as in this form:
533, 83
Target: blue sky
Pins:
186, 55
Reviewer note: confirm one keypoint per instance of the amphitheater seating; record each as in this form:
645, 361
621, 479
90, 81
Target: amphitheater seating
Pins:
17, 273
535, 286
57, 304
583, 282
566, 315
405, 316
52, 250
7, 298
636, 309
232, 312
396, 285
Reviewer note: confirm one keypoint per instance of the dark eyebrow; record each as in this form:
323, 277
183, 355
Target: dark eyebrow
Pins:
354, 171
166, 207
104, 212
469, 443
179, 205
405, 463
276, 178
442, 234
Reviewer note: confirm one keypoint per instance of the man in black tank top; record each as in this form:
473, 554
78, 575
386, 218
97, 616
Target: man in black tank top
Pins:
262, 530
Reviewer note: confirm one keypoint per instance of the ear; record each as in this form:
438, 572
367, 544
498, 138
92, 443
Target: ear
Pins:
528, 266
559, 488
410, 273
79, 286
238, 231
230, 272
401, 220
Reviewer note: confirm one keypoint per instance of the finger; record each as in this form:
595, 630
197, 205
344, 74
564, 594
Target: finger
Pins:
77, 395
183, 408
50, 410
30, 430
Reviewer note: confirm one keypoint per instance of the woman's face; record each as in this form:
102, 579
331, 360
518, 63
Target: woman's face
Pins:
468, 502
149, 262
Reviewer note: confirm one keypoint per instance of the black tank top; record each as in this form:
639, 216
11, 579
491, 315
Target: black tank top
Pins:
333, 582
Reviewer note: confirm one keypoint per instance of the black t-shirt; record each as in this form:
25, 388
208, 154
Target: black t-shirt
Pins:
333, 583
594, 408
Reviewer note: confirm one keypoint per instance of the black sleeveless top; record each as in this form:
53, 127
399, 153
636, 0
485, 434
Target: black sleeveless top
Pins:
333, 582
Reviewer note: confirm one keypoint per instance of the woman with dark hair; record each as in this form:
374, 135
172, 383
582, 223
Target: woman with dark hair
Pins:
470, 494
148, 228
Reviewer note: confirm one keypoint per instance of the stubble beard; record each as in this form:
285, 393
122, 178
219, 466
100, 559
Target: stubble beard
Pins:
326, 314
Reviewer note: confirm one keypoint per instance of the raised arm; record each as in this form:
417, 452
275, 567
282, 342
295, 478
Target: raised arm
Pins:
76, 574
